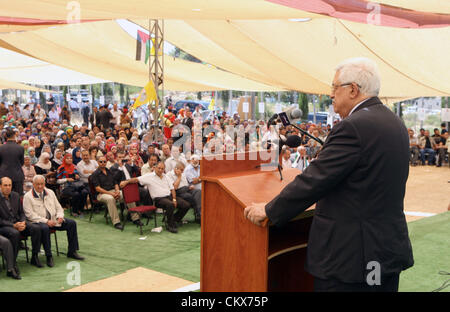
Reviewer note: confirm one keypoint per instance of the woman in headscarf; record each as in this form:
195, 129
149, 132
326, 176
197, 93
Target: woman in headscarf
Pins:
32, 154
66, 140
76, 155
25, 144
44, 167
29, 173
47, 149
71, 186
57, 159
134, 156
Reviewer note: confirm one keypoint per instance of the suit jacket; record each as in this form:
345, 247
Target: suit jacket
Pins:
358, 182
11, 161
8, 218
119, 175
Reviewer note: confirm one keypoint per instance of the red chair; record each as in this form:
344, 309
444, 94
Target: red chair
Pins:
131, 195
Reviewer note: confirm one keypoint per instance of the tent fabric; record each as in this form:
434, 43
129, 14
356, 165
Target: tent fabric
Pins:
192, 9
21, 68
435, 6
155, 9
5, 84
302, 55
106, 51
371, 13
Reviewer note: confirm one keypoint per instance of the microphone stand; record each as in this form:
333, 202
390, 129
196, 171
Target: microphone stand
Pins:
306, 133
278, 165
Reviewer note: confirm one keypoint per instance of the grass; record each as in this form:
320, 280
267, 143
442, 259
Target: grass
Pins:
110, 252
430, 239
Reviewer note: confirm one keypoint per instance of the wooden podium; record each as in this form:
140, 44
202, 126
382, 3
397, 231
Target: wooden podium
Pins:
236, 255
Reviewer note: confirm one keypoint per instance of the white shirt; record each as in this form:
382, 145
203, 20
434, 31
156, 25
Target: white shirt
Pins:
157, 187
173, 177
357, 106
116, 115
286, 163
125, 171
146, 169
193, 173
82, 166
53, 115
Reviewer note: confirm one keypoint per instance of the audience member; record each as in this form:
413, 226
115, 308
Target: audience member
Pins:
42, 207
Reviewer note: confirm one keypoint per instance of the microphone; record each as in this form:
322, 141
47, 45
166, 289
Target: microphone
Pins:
288, 117
293, 141
272, 120
295, 114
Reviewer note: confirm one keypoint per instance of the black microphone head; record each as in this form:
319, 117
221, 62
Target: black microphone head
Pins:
293, 141
296, 113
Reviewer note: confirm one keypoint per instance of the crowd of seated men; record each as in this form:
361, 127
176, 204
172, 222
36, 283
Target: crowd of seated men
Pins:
431, 150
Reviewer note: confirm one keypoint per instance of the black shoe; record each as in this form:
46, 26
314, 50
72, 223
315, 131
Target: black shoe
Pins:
118, 226
17, 269
138, 222
35, 261
50, 261
75, 256
172, 229
13, 274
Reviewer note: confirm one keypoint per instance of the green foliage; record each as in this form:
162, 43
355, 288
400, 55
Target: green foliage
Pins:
303, 104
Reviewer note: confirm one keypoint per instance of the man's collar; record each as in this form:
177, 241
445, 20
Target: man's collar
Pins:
36, 195
357, 105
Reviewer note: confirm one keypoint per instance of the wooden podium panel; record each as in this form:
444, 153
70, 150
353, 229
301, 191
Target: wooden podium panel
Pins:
237, 255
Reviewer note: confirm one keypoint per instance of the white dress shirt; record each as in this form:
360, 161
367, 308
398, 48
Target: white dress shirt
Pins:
173, 177
158, 187
82, 166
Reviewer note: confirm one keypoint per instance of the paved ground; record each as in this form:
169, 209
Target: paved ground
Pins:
427, 191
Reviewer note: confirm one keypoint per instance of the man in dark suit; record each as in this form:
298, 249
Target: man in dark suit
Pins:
8, 254
358, 181
11, 161
12, 221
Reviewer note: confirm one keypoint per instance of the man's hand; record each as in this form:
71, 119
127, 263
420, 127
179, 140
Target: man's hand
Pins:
60, 220
123, 184
20, 226
51, 223
116, 195
256, 213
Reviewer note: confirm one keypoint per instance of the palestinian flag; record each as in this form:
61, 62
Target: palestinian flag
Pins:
142, 46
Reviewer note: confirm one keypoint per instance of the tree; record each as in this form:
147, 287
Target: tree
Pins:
303, 104
121, 92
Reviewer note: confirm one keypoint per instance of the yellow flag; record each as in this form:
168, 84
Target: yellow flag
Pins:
147, 94
211, 104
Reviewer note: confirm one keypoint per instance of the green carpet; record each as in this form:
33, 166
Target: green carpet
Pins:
109, 252
430, 239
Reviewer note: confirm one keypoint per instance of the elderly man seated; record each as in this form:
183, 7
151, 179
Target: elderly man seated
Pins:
183, 190
42, 207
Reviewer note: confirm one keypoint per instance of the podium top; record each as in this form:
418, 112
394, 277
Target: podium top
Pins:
254, 186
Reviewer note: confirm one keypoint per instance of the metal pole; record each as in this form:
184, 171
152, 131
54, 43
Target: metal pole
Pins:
314, 107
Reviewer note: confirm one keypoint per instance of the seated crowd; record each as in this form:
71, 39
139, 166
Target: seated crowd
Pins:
65, 163
433, 150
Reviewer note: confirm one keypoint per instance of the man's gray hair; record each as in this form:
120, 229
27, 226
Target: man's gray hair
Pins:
38, 177
362, 71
